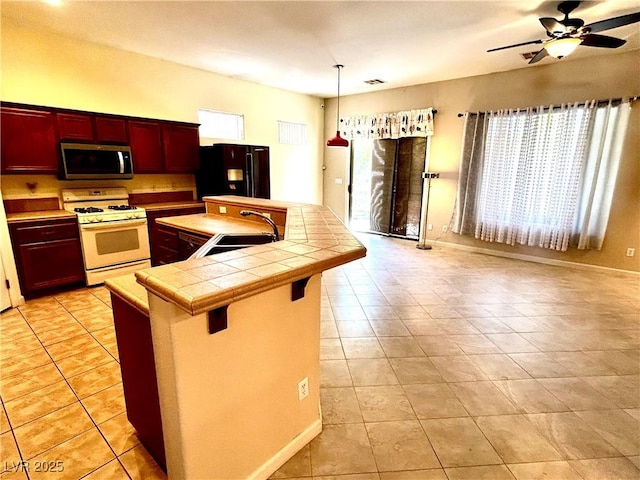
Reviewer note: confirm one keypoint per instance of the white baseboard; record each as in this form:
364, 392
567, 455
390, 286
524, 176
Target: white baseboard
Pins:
274, 463
533, 258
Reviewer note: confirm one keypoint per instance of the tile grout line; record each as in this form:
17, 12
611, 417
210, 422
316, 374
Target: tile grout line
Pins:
78, 400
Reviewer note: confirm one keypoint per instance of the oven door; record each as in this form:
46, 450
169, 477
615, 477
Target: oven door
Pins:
114, 243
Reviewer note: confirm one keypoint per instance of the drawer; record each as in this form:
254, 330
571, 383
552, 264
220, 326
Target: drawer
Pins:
165, 237
42, 232
163, 255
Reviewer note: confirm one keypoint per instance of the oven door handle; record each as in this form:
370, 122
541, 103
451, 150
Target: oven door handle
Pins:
113, 225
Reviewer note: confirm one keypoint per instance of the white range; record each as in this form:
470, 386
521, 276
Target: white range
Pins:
114, 234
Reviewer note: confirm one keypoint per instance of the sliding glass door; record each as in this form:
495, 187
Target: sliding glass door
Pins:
386, 186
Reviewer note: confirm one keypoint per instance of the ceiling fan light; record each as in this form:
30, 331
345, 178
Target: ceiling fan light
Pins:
337, 141
562, 46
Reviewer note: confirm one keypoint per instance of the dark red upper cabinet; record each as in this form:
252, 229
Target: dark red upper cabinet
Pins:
180, 147
31, 136
28, 142
111, 130
75, 126
146, 146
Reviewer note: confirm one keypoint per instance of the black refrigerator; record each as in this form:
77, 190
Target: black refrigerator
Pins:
230, 169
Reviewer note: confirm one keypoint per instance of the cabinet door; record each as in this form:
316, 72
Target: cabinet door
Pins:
50, 264
164, 245
111, 130
137, 363
164, 239
181, 145
146, 146
28, 142
75, 126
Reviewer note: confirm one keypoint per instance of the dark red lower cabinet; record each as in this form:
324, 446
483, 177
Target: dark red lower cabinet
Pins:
135, 348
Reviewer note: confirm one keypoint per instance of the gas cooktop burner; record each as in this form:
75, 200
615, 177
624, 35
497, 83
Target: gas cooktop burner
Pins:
122, 207
88, 210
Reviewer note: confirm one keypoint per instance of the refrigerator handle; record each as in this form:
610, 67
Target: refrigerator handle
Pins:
249, 182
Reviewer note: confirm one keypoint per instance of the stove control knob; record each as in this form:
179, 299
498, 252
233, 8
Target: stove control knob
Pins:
98, 219
92, 219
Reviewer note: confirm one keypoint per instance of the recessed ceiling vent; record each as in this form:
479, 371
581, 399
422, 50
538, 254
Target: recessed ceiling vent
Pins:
375, 81
529, 55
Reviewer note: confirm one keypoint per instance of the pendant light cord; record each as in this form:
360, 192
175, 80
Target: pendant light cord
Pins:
338, 141
339, 67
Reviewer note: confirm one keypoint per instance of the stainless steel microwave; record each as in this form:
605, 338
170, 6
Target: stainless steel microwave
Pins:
81, 161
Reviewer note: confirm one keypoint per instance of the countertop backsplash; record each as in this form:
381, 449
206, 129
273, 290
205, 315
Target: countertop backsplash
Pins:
45, 186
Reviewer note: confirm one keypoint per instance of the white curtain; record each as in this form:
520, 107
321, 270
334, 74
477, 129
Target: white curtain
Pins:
408, 123
609, 126
541, 176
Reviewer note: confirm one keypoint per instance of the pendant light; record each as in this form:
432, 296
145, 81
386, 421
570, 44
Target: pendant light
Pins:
338, 141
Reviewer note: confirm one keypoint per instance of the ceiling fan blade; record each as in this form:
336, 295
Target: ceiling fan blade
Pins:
539, 56
515, 45
614, 22
593, 40
552, 26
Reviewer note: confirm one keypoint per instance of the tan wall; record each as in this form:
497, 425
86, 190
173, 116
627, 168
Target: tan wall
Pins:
229, 401
53, 70
602, 77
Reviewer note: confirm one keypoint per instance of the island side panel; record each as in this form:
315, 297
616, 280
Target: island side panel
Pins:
229, 400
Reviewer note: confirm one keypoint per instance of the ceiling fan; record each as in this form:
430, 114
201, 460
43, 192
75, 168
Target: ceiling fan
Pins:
566, 34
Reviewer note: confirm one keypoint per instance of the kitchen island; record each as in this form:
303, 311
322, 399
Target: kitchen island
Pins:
236, 339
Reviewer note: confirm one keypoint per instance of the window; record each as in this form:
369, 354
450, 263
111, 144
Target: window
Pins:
215, 124
541, 176
292, 133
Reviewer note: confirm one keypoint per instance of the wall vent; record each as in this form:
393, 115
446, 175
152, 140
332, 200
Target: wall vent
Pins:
375, 81
529, 55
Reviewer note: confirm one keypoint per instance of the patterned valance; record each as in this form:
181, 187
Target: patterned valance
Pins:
408, 123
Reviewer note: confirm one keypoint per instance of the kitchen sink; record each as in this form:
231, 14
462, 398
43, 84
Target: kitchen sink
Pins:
227, 242
244, 238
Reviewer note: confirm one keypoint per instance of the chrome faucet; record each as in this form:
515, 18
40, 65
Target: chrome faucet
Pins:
276, 235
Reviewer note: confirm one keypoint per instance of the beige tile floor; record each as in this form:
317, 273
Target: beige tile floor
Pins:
435, 364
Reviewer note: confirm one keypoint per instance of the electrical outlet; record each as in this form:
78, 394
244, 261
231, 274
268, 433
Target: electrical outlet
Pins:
430, 226
266, 214
631, 252
445, 228
222, 209
303, 388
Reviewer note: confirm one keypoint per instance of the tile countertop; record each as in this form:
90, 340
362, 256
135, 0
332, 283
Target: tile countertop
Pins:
315, 240
210, 224
39, 215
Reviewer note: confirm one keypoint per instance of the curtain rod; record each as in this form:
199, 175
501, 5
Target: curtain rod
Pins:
635, 98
